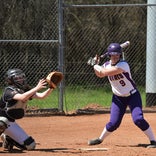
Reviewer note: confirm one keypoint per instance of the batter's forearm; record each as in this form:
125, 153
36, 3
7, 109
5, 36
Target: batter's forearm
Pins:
98, 71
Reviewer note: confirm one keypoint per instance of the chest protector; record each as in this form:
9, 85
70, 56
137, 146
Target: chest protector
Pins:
15, 109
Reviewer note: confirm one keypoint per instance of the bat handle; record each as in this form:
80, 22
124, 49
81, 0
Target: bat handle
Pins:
102, 56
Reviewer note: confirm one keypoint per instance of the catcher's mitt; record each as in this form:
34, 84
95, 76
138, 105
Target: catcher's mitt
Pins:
54, 78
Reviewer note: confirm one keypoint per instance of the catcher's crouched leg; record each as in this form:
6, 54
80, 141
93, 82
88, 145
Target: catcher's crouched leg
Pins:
29, 143
4, 124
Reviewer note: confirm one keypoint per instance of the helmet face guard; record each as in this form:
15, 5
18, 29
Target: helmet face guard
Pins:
16, 77
114, 49
19, 78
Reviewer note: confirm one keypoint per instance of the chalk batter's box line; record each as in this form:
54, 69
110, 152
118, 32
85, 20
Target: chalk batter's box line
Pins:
81, 149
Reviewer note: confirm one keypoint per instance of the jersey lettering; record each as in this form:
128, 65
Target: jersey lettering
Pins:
116, 77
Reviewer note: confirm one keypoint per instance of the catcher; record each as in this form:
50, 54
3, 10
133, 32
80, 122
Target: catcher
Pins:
13, 105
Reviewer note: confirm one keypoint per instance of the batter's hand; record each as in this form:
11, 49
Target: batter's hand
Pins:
93, 61
97, 59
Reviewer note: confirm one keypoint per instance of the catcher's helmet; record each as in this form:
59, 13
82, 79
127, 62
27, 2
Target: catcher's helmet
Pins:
16, 77
114, 49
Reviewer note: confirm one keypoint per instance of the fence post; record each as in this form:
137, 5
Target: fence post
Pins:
151, 55
61, 52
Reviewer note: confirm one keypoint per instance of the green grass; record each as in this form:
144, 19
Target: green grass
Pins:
49, 102
77, 97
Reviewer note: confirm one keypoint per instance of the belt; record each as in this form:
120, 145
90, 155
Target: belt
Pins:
133, 91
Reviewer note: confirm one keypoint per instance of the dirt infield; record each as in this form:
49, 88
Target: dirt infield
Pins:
68, 136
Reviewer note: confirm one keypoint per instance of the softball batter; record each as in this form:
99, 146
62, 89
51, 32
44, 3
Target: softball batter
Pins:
125, 94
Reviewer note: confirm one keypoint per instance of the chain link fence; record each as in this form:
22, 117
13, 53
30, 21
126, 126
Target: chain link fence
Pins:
29, 40
89, 31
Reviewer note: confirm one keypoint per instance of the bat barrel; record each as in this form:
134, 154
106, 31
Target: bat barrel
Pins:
125, 44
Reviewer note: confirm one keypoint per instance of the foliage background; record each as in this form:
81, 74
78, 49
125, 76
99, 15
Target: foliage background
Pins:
29, 39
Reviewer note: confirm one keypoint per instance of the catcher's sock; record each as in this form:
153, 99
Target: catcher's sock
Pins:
149, 134
104, 134
94, 142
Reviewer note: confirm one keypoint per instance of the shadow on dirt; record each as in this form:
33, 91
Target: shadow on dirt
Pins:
63, 150
13, 151
139, 145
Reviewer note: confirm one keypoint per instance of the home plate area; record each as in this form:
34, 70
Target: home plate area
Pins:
80, 149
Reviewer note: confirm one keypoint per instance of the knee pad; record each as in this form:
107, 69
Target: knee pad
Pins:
4, 124
112, 127
142, 124
29, 143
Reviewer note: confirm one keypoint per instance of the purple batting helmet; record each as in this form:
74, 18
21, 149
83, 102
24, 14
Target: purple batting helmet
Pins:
114, 49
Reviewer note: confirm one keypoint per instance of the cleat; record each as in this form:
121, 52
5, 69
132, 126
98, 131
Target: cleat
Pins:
7, 145
95, 142
152, 145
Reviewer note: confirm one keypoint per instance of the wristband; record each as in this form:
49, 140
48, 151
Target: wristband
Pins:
97, 68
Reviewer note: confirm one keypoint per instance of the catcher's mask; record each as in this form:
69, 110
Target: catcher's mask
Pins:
16, 77
114, 49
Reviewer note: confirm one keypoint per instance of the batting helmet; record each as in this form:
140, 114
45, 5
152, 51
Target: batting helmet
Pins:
114, 49
16, 77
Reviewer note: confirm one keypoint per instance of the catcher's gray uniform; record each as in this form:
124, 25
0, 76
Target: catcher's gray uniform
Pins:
12, 110
12, 107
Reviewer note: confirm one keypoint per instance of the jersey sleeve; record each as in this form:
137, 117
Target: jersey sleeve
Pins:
123, 65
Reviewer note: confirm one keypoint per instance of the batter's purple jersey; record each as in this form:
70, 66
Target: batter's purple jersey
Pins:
125, 94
